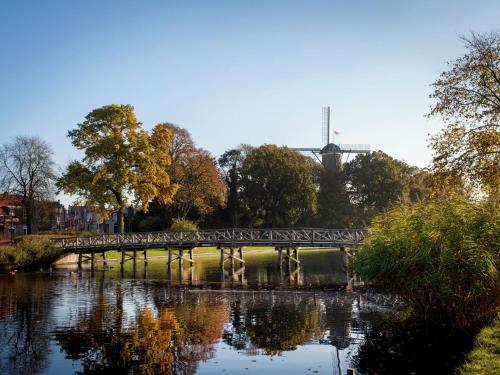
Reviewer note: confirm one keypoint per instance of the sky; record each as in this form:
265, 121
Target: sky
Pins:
234, 72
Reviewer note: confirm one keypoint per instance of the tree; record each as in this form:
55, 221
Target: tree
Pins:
201, 186
121, 161
27, 169
375, 182
277, 186
468, 100
230, 163
334, 206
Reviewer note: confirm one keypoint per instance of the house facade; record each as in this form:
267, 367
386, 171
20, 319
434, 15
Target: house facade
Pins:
12, 216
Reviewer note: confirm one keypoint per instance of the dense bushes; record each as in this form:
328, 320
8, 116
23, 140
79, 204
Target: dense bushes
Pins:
442, 256
28, 253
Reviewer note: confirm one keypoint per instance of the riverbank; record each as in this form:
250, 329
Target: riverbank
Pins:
485, 357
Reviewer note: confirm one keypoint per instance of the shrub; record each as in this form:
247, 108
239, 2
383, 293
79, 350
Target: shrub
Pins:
29, 252
183, 225
442, 256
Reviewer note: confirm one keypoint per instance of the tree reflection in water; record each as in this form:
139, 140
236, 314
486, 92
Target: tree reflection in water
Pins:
167, 339
125, 326
25, 308
270, 323
179, 329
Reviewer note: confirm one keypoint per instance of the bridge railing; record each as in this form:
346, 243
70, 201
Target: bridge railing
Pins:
293, 236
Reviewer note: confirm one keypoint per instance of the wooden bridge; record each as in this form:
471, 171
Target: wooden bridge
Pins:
230, 242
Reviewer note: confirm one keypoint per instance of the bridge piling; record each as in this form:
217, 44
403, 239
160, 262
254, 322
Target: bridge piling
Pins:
240, 252
80, 259
92, 260
169, 261
122, 262
104, 262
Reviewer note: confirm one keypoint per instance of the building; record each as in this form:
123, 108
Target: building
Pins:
12, 216
83, 219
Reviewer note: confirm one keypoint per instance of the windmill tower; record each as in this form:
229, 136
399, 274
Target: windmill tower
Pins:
331, 153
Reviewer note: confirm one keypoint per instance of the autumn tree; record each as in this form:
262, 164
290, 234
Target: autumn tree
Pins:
27, 169
201, 186
468, 100
277, 186
121, 162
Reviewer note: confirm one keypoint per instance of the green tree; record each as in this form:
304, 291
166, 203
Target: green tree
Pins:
230, 163
121, 161
277, 186
468, 100
334, 205
375, 182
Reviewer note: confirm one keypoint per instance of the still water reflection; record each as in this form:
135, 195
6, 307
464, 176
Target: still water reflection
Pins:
106, 322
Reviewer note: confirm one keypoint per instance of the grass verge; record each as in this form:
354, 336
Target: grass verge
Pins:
485, 357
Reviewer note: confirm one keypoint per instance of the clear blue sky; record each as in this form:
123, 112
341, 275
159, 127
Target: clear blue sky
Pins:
234, 72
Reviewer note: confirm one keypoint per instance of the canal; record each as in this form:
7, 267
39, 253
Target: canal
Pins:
199, 320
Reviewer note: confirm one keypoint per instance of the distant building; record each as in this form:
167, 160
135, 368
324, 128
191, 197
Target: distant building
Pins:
12, 216
52, 217
83, 219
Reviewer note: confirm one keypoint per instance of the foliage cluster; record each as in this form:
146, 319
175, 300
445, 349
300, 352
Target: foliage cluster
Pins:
183, 225
467, 99
30, 252
443, 256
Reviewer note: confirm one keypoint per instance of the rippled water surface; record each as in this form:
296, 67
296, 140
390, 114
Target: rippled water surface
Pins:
148, 320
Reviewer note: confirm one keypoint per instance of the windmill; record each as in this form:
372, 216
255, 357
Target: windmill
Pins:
331, 153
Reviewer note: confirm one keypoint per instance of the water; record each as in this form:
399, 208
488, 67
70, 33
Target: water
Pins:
199, 321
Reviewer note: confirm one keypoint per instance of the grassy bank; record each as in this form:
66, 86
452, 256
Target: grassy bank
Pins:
485, 357
32, 251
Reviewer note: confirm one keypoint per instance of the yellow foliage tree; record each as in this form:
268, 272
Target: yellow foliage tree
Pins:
121, 162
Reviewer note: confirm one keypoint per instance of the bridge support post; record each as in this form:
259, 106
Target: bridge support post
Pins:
191, 263
169, 261
181, 257
240, 252
122, 262
104, 262
145, 256
92, 260
280, 257
80, 259
231, 257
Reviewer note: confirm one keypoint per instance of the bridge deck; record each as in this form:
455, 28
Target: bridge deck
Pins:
220, 238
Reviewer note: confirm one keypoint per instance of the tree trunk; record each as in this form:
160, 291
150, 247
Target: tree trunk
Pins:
121, 221
29, 219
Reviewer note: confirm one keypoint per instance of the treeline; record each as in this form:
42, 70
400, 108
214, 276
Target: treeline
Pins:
271, 186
